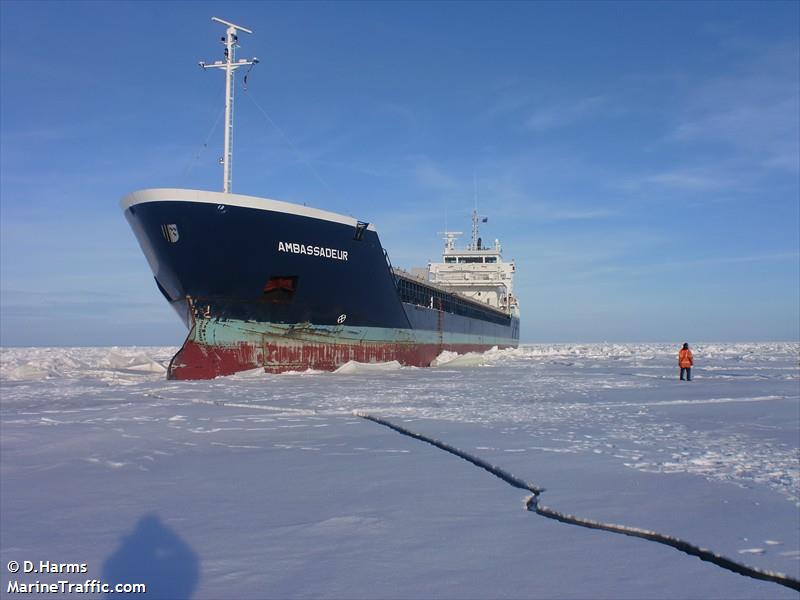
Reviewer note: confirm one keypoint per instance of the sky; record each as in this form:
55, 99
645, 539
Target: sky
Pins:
640, 161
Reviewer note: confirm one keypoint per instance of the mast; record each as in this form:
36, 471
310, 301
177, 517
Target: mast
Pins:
476, 217
474, 245
230, 64
475, 213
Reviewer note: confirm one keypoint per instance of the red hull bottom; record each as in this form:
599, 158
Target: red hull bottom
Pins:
202, 361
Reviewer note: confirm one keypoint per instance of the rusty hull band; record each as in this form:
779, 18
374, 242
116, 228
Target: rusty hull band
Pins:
216, 348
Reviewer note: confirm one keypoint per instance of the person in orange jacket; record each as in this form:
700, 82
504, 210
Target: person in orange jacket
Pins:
685, 362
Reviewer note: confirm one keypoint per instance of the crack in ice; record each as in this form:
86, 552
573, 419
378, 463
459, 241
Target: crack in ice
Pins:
532, 504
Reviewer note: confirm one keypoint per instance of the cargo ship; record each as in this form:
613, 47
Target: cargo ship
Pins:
266, 284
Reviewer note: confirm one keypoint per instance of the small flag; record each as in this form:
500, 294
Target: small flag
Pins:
485, 220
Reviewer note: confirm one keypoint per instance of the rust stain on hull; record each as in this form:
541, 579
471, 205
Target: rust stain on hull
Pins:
202, 361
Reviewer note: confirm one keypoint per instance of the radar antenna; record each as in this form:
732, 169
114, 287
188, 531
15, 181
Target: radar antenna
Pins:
450, 240
230, 64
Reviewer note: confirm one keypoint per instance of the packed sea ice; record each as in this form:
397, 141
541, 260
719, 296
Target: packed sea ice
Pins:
266, 485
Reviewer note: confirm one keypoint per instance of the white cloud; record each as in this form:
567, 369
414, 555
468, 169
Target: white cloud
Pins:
694, 179
755, 112
428, 174
563, 114
580, 215
552, 211
715, 261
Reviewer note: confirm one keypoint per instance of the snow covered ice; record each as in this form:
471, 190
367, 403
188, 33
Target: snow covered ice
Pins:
261, 485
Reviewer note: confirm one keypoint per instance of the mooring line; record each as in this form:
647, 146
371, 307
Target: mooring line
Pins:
532, 504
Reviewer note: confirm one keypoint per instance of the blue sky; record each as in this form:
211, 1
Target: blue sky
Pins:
640, 161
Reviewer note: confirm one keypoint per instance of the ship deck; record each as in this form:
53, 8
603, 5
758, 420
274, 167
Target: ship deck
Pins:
445, 290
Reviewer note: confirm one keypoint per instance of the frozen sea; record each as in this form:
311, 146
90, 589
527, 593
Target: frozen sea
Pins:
268, 486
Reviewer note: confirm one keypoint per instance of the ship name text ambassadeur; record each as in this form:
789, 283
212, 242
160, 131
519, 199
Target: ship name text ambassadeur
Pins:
310, 250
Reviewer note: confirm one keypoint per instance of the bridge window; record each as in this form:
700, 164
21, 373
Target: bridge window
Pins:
450, 259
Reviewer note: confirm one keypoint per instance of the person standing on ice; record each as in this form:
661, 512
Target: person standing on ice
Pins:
685, 361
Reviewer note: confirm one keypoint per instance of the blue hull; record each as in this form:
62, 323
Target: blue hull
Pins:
266, 283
